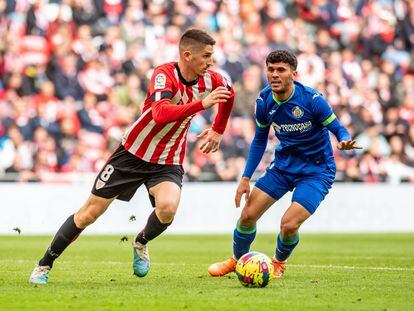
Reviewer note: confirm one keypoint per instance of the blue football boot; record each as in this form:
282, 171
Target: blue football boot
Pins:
141, 263
39, 275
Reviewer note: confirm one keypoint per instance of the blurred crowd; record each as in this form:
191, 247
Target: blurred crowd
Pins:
74, 75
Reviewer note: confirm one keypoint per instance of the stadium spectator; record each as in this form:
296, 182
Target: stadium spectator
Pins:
66, 78
246, 92
98, 59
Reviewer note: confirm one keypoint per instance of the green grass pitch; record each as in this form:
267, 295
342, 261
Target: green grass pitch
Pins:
326, 272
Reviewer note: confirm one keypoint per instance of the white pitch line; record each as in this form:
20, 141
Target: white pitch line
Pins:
204, 265
353, 267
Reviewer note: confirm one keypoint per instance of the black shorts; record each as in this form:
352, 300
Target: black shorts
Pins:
124, 173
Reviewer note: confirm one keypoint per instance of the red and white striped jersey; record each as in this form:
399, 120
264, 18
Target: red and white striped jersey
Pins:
160, 133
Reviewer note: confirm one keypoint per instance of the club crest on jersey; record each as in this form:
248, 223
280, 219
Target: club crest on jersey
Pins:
160, 80
297, 112
99, 184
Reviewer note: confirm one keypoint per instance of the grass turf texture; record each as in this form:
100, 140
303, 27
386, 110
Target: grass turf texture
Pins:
326, 272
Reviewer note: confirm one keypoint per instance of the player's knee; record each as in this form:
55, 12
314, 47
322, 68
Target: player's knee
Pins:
167, 210
86, 216
248, 218
84, 219
289, 228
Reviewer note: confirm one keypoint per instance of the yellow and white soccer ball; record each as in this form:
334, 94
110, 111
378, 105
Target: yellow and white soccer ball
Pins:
254, 269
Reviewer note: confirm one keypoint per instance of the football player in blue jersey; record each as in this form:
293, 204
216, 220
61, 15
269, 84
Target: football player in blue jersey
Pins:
303, 163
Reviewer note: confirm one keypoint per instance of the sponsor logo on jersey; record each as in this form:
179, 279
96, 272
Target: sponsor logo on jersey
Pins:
99, 184
160, 80
297, 112
298, 127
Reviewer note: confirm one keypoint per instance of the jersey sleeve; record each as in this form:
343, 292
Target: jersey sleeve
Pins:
325, 115
260, 113
161, 85
161, 91
321, 109
224, 109
257, 149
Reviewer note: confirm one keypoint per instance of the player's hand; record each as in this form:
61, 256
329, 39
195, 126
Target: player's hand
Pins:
243, 188
347, 145
218, 95
211, 142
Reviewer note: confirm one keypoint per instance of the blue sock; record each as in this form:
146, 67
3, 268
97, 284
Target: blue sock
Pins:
285, 246
242, 239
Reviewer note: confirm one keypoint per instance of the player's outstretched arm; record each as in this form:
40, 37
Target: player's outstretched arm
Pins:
328, 118
243, 188
345, 142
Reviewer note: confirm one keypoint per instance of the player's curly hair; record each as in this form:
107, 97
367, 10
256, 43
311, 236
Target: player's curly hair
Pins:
195, 37
282, 56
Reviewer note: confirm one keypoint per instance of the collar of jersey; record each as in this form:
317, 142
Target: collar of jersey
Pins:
184, 81
281, 102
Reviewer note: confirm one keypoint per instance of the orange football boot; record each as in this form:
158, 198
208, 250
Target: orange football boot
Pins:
223, 268
279, 268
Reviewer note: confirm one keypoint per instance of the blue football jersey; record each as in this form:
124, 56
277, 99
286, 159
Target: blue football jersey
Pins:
300, 125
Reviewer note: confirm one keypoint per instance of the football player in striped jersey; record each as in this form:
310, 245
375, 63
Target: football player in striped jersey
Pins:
153, 149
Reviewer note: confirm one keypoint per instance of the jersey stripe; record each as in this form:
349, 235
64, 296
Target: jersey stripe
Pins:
208, 82
177, 156
172, 155
164, 141
156, 141
184, 97
202, 84
158, 127
141, 136
176, 98
180, 153
170, 159
189, 92
196, 92
177, 78
138, 126
183, 147
174, 140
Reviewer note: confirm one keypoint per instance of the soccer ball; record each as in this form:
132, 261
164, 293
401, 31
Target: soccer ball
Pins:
254, 269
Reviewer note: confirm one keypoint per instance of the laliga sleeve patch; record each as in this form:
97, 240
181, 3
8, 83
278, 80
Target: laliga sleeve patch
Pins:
160, 80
